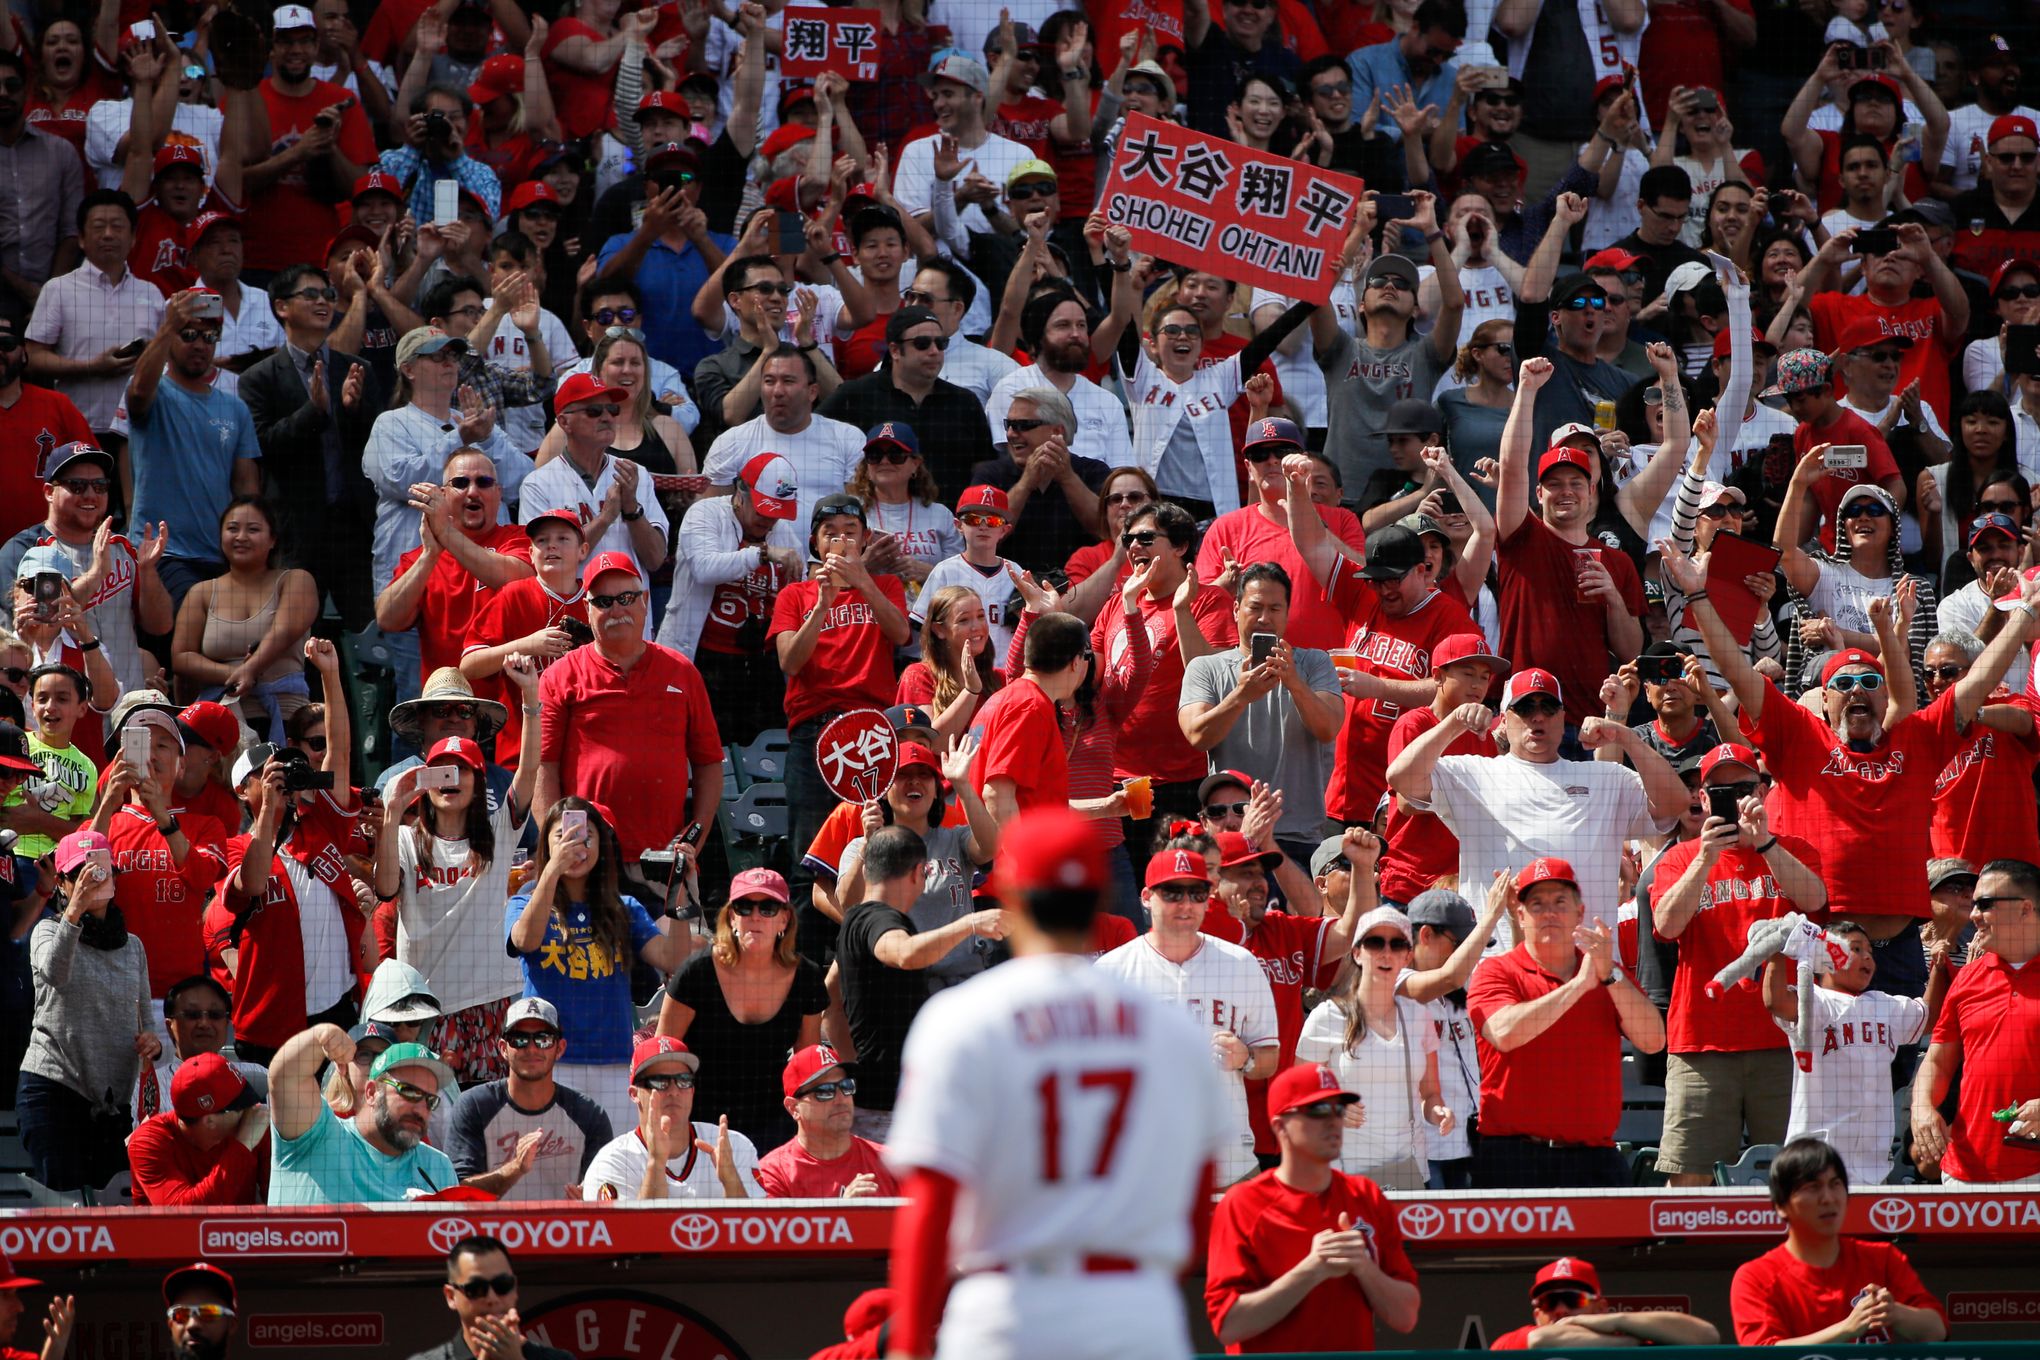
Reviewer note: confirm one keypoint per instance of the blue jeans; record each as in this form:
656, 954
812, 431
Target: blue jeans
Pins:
404, 660
1125, 898
70, 1146
808, 805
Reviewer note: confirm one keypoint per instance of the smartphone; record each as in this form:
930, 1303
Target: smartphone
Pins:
1848, 57
1721, 803
2022, 350
209, 307
1448, 503
1394, 207
1875, 241
49, 588
136, 747
574, 824
1844, 456
1263, 645
133, 347
1493, 78
445, 202
438, 777
792, 229
1656, 670
1706, 101
143, 30
1873, 58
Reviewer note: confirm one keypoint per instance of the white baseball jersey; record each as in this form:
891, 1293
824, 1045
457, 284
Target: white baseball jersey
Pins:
1073, 1109
620, 1167
1223, 988
1846, 1098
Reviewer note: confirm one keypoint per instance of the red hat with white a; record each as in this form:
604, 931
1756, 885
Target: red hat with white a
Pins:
1176, 866
1051, 849
179, 153
1461, 647
562, 514
1527, 682
378, 182
2009, 126
530, 192
774, 488
1565, 455
658, 1048
585, 387
208, 1084
982, 498
459, 750
1567, 1272
1729, 753
608, 562
805, 1065
664, 101
1302, 1084
1546, 869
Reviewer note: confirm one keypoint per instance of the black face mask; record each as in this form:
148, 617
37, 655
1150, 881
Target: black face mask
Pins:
108, 932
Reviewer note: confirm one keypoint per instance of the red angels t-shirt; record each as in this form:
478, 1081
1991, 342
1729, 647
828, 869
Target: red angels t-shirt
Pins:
1289, 948
159, 253
68, 120
1869, 812
1397, 647
1566, 1084
1263, 1228
514, 611
1151, 742
1830, 191
1419, 848
162, 900
1739, 892
1546, 624
40, 420
1983, 799
1022, 740
1993, 1012
1253, 537
629, 739
790, 1171
1778, 1296
1109, 930
286, 222
453, 597
1835, 482
852, 663
1918, 319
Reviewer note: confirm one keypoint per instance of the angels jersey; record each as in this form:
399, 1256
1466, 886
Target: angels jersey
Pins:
1223, 989
1074, 1110
1843, 1098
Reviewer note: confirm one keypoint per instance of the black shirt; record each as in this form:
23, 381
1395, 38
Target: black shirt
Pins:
1659, 262
1048, 529
740, 1062
950, 424
880, 1002
713, 379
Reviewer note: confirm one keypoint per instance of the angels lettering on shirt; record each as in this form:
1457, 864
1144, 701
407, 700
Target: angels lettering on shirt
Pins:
851, 610
1846, 764
427, 877
1383, 370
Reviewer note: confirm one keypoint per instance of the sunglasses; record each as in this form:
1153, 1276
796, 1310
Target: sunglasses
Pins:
1503, 348
1394, 944
924, 343
595, 409
477, 1288
1872, 509
1990, 903
1722, 510
1261, 453
978, 519
1342, 87
1023, 426
747, 909
1563, 1298
782, 289
1321, 1109
184, 1314
192, 337
416, 1095
9, 343
2018, 290
312, 744
667, 1081
79, 486
214, 1016
2015, 157
1879, 356
1145, 537
317, 295
1865, 681
1392, 282
1582, 303
1539, 707
914, 297
889, 453
479, 483
1949, 673
1022, 192
609, 316
540, 1039
1213, 811
828, 1090
1507, 101
1128, 498
624, 598
1177, 893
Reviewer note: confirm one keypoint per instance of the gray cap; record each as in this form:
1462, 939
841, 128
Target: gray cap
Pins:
1329, 849
1399, 265
1413, 415
1941, 872
1442, 909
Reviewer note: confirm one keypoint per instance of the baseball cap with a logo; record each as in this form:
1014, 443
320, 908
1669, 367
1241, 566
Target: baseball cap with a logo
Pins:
805, 1065
2009, 126
658, 1048
1567, 1272
1729, 753
1271, 432
769, 477
1460, 647
1304, 1084
459, 750
14, 753
179, 153
378, 182
610, 562
286, 17
1176, 866
1527, 682
984, 500
561, 515
1546, 869
208, 1084
531, 1010
1566, 455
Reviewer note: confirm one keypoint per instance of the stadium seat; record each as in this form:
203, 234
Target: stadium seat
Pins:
1752, 1168
755, 828
19, 1190
764, 760
118, 1193
1643, 1168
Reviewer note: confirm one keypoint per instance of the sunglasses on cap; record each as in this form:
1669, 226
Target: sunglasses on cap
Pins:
1855, 680
478, 1288
625, 598
828, 1090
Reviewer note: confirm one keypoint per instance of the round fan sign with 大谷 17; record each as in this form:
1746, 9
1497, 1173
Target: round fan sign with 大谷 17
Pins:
857, 755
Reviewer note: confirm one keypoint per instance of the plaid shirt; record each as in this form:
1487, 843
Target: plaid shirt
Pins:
503, 387
408, 164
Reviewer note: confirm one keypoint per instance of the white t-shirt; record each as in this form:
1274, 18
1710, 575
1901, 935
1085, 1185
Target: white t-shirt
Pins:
1962, 153
1384, 1073
1843, 594
525, 426
1161, 405
1303, 382
1050, 1045
824, 455
975, 368
558, 485
192, 125
1611, 219
620, 1166
925, 533
1963, 611
828, 317
1846, 1098
914, 176
1706, 179
450, 918
1507, 811
1101, 420
1222, 988
995, 589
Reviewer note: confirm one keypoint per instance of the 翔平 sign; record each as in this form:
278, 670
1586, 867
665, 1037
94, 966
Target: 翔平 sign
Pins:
841, 40
857, 754
1244, 215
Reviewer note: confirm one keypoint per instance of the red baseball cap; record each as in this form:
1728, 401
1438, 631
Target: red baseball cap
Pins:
914, 753
1567, 1272
205, 222
182, 153
585, 387
500, 75
377, 182
1545, 869
2010, 125
208, 1084
1880, 82
1176, 866
1303, 1084
658, 1048
1051, 849
1725, 338
530, 192
1565, 455
774, 489
570, 518
201, 1274
1465, 647
1848, 656
868, 1310
1525, 683
664, 101
784, 138
805, 1065
1235, 850
354, 233
1866, 331
984, 498
765, 883
1614, 257
608, 562
1729, 753
1997, 276
460, 750
212, 724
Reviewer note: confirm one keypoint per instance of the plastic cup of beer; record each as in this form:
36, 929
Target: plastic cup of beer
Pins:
1140, 798
1345, 658
1584, 561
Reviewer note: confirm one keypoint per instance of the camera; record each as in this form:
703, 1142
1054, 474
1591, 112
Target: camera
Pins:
298, 774
438, 128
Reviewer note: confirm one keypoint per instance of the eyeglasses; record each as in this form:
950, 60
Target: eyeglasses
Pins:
504, 1284
748, 909
1879, 356
594, 409
184, 1314
621, 599
783, 289
1873, 509
482, 482
1866, 681
979, 519
828, 1090
1128, 498
1948, 672
924, 343
1722, 510
214, 1015
1394, 944
1539, 707
1584, 301
1214, 811
416, 1095
1021, 192
472, 309
312, 744
609, 316
540, 1039
1321, 1109
1507, 101
83, 486
192, 337
889, 453
2018, 290
914, 297
1342, 87
315, 295
1145, 537
1179, 329
1177, 893
666, 1081
1023, 426
2015, 157
1563, 1298
1990, 903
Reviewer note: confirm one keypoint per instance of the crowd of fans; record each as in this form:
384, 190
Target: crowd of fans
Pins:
457, 430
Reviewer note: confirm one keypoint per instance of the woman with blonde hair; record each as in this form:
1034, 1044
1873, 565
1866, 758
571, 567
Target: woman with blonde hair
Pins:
744, 1005
956, 670
1476, 410
513, 112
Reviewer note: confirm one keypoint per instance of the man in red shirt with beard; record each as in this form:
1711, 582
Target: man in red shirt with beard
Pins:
1935, 324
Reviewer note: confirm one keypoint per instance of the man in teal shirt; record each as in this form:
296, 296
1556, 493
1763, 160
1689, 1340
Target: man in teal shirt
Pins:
378, 1155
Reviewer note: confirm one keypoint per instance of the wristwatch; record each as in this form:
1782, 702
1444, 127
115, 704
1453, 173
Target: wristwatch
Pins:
1615, 975
633, 516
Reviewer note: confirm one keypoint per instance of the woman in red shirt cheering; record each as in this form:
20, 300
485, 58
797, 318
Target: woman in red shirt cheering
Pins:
1822, 1287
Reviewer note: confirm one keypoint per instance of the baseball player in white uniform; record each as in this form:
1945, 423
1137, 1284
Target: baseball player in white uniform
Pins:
1220, 985
1056, 1131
